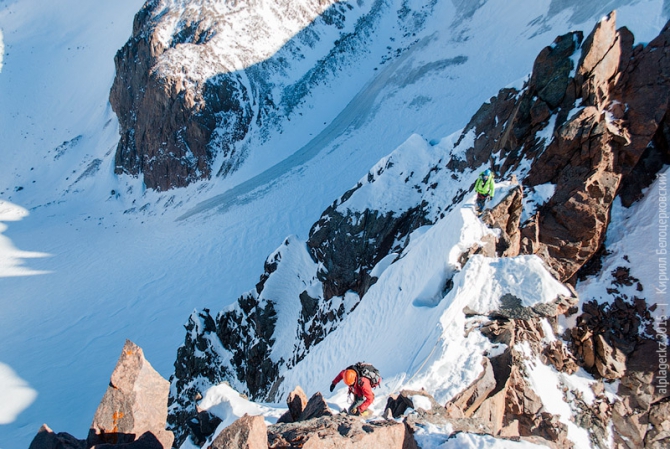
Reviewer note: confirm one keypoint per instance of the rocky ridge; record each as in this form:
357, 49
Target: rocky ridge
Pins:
591, 116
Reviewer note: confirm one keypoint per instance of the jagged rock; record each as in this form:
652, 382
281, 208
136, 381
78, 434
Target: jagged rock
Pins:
506, 216
316, 408
296, 401
630, 425
472, 397
658, 436
398, 404
350, 245
195, 358
342, 432
511, 308
610, 362
556, 353
47, 439
500, 330
589, 152
135, 403
248, 432
450, 416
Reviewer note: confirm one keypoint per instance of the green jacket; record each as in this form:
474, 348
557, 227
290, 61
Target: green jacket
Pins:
485, 187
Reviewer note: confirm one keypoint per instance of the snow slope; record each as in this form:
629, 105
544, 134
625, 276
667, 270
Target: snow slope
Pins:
108, 261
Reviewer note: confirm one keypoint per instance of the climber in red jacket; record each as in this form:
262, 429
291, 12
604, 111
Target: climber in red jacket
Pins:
359, 386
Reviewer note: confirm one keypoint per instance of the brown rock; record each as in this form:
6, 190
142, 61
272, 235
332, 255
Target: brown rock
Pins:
659, 435
630, 426
600, 60
556, 353
610, 362
472, 397
248, 432
341, 432
316, 407
296, 401
499, 331
47, 439
530, 236
506, 217
588, 353
135, 402
490, 416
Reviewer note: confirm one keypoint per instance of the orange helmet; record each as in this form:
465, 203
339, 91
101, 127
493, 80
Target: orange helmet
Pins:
349, 377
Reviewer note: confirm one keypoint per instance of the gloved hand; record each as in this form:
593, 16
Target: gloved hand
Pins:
332, 387
488, 197
353, 411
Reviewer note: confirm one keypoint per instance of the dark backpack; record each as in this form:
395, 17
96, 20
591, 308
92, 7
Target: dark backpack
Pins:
367, 370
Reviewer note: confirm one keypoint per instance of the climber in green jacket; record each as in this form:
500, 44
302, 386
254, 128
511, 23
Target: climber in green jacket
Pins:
485, 188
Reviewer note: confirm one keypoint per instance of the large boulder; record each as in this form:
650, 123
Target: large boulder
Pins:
341, 432
506, 217
248, 432
316, 408
296, 401
135, 403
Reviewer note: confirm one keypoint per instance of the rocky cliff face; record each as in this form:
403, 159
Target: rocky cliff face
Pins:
583, 128
590, 118
192, 80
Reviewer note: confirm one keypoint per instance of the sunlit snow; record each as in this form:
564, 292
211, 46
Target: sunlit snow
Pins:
122, 265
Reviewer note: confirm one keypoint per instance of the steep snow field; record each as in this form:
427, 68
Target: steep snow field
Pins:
88, 259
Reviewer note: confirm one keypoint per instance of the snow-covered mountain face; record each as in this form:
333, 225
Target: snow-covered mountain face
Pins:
392, 265
199, 84
109, 259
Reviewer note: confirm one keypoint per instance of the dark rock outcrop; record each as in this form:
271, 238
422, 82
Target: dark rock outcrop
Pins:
47, 439
203, 426
349, 245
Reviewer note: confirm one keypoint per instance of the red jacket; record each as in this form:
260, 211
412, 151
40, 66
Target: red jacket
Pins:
361, 389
